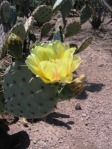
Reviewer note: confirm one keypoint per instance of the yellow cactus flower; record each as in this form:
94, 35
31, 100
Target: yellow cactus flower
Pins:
53, 62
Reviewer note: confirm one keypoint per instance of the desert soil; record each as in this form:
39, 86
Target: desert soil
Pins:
89, 127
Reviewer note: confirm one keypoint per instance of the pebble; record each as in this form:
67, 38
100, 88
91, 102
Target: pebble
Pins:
78, 106
84, 115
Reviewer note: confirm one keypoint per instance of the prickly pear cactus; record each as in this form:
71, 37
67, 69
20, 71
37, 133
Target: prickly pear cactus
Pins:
66, 7
5, 11
19, 30
13, 16
72, 28
15, 46
42, 14
46, 27
25, 95
84, 44
86, 13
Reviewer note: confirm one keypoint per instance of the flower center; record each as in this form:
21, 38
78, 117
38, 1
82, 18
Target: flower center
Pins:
54, 60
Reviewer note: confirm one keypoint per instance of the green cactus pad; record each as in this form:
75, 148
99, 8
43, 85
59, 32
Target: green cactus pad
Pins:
84, 44
13, 16
26, 95
65, 94
86, 13
15, 46
72, 28
46, 27
66, 7
5, 11
19, 30
42, 14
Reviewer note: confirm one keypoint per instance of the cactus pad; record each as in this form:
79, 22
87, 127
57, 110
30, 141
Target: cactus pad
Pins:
84, 44
72, 28
5, 11
42, 14
13, 16
86, 13
26, 95
15, 46
66, 7
19, 30
46, 27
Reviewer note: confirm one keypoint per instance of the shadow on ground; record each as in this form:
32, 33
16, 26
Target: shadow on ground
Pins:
54, 119
18, 140
90, 87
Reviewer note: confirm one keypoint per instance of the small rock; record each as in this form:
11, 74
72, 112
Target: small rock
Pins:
101, 65
35, 142
84, 115
78, 106
86, 124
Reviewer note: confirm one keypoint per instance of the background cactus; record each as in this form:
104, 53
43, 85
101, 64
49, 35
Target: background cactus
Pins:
5, 11
66, 7
46, 27
84, 44
8, 15
86, 13
19, 30
13, 16
15, 46
72, 28
95, 11
42, 14
98, 13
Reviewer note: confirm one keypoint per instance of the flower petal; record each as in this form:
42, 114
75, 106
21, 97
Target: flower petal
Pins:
50, 71
76, 63
69, 52
58, 49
